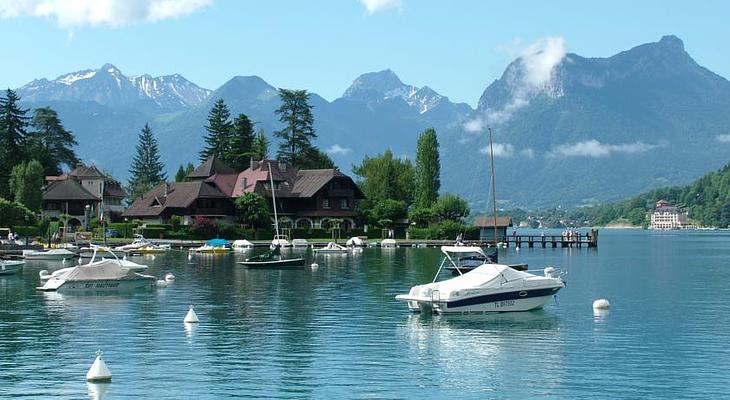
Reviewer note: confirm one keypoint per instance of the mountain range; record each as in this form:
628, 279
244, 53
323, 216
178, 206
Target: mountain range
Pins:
568, 130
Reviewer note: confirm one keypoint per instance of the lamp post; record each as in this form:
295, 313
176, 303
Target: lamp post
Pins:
87, 213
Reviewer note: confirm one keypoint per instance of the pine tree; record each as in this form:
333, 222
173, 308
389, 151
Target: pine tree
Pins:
180, 175
13, 125
428, 169
219, 128
261, 146
296, 115
50, 143
147, 169
241, 143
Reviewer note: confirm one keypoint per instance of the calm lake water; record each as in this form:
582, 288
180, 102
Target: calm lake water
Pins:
337, 331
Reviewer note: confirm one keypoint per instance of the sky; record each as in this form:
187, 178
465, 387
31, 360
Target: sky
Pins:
455, 47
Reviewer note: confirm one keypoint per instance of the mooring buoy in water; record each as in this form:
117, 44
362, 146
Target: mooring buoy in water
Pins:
191, 317
99, 371
169, 277
601, 304
314, 266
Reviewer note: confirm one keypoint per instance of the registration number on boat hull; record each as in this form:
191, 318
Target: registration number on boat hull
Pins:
504, 303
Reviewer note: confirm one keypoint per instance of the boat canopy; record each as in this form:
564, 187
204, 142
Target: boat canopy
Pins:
242, 243
486, 275
105, 270
462, 249
217, 242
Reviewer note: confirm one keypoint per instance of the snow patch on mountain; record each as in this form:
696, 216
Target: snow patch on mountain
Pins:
69, 79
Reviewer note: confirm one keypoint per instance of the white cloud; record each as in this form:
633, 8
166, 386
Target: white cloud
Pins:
594, 148
373, 6
337, 149
532, 74
528, 152
500, 150
112, 13
723, 138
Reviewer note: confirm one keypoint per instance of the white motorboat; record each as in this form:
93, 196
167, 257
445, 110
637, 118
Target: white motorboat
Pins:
487, 288
388, 243
300, 243
150, 249
102, 275
280, 241
53, 254
355, 242
332, 248
139, 242
242, 245
10, 267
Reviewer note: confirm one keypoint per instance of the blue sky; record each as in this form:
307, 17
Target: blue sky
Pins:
455, 47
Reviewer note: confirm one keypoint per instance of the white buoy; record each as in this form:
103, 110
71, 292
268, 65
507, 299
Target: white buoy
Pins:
517, 248
314, 266
601, 304
63, 262
124, 258
190, 256
153, 256
169, 277
162, 283
191, 317
99, 371
79, 261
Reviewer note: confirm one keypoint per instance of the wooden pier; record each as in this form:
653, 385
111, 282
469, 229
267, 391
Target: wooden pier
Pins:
589, 239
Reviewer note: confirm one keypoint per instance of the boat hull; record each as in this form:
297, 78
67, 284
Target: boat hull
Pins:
508, 301
48, 257
105, 285
275, 264
11, 267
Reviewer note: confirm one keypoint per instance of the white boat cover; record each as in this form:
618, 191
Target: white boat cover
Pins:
355, 241
103, 270
242, 243
334, 246
462, 249
486, 275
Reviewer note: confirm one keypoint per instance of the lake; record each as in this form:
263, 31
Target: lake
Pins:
337, 332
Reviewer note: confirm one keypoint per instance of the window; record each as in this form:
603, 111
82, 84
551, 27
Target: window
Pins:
344, 204
325, 203
277, 185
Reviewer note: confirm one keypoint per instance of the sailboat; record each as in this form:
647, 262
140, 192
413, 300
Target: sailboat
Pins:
272, 258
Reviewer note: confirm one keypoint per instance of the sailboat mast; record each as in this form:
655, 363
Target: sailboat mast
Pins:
273, 199
494, 183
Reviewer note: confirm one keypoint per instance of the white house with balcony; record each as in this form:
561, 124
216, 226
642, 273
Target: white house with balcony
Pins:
668, 217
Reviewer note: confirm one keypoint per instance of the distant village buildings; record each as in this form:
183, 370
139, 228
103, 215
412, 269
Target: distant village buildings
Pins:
305, 198
82, 194
668, 217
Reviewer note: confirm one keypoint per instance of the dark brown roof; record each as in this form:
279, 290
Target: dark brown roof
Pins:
83, 171
179, 195
113, 189
67, 189
488, 222
210, 167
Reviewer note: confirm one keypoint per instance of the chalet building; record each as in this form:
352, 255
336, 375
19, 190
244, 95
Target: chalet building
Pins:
668, 217
486, 227
305, 198
82, 194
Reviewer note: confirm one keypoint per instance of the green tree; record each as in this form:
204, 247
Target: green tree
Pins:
26, 182
219, 128
295, 113
389, 209
315, 158
241, 143
50, 143
147, 169
428, 169
180, 175
13, 132
421, 216
15, 214
261, 146
386, 177
451, 207
252, 210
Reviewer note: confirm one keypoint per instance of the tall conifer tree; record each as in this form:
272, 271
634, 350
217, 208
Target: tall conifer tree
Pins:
295, 113
261, 146
428, 169
147, 170
13, 130
217, 141
241, 143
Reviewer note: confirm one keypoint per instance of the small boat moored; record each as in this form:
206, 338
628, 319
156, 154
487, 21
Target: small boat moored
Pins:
10, 267
332, 248
272, 260
213, 246
103, 275
53, 254
241, 245
487, 288
300, 243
